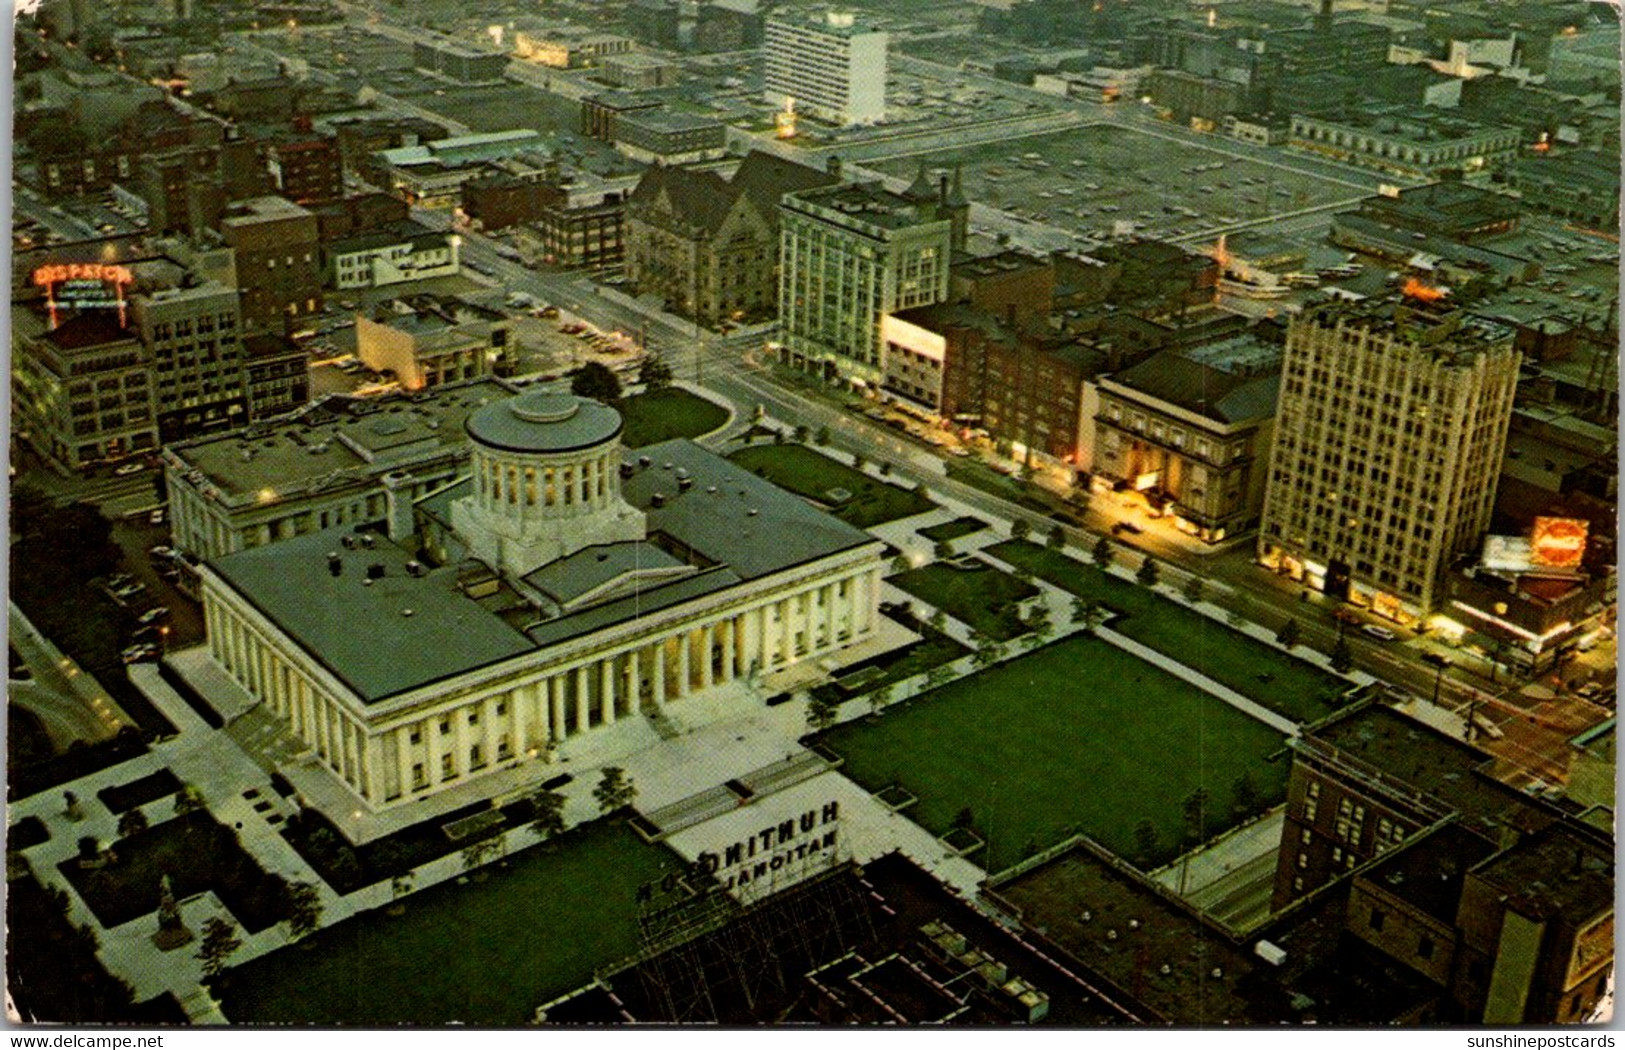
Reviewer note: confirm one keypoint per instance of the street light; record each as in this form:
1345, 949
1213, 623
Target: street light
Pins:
1439, 664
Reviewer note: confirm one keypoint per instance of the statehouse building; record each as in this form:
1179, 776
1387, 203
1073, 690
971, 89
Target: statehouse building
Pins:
562, 586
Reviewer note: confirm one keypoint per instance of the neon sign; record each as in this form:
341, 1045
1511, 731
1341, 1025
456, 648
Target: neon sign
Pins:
83, 286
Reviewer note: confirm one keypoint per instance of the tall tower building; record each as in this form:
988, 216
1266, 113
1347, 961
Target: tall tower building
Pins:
848, 255
831, 67
1389, 438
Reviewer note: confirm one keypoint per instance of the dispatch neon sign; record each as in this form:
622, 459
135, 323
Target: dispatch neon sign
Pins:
83, 285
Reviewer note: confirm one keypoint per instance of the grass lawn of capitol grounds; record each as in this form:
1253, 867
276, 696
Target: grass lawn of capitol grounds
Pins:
698, 519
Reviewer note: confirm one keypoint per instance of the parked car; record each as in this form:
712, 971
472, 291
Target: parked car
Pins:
161, 551
138, 653
153, 615
130, 468
1378, 631
129, 590
156, 517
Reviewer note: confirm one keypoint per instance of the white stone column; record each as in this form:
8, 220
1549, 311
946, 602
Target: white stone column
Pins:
555, 708
519, 701
634, 694
372, 760
706, 642
431, 764
403, 758
582, 722
488, 720
660, 674
459, 735
684, 682
606, 689
830, 595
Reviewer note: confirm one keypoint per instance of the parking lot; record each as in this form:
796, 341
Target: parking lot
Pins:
1101, 179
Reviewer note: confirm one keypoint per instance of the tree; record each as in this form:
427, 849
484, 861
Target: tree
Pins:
304, 909
1020, 528
801, 433
857, 461
1102, 554
823, 436
131, 822
1342, 656
1145, 840
1288, 634
986, 655
937, 676
1196, 814
90, 847
821, 713
879, 699
922, 492
655, 375
1057, 537
220, 940
1147, 573
965, 818
900, 563
188, 800
1194, 589
596, 381
944, 550
1039, 622
547, 813
615, 789
477, 854
1244, 793
885, 468
399, 886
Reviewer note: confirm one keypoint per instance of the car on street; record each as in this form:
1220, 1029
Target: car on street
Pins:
161, 551
156, 517
130, 468
129, 590
1377, 631
139, 653
153, 615
1126, 526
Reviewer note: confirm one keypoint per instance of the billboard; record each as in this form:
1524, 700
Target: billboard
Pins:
1558, 543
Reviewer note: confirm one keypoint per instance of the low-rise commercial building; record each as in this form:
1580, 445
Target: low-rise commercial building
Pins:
661, 136
589, 235
457, 63
405, 251
1404, 141
567, 47
428, 341
1191, 430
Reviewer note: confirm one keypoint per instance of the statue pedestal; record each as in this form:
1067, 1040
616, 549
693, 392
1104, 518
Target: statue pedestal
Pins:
168, 938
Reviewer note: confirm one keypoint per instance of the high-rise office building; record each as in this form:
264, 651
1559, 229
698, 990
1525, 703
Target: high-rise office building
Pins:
849, 255
1392, 425
831, 68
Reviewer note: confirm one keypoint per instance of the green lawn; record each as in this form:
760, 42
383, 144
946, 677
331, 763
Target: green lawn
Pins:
666, 414
953, 530
932, 650
1076, 736
1281, 682
483, 953
813, 475
983, 597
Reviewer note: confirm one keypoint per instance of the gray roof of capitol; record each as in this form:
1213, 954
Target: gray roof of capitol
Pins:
361, 632
729, 515
542, 421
